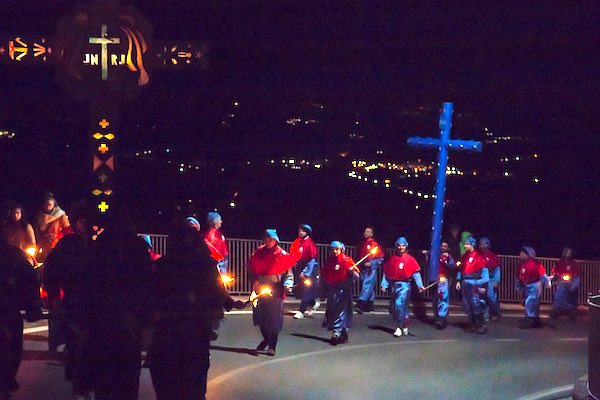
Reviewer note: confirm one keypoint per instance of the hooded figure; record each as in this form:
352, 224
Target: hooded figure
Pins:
306, 271
398, 271
270, 268
473, 278
567, 275
338, 276
531, 277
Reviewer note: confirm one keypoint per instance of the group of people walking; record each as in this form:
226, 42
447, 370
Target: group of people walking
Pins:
106, 290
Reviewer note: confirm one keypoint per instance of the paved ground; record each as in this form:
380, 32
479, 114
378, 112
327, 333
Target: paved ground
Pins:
508, 363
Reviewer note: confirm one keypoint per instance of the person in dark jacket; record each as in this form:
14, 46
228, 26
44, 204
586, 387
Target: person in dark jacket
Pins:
189, 295
19, 290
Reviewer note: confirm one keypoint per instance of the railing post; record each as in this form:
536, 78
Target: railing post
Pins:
594, 347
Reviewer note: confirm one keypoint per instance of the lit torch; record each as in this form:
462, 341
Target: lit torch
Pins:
227, 279
373, 251
31, 251
264, 292
307, 282
566, 278
442, 279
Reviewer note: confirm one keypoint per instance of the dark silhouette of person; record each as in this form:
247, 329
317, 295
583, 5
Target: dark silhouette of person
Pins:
189, 295
19, 290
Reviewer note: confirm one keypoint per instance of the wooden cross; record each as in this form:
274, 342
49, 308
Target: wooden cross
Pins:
443, 144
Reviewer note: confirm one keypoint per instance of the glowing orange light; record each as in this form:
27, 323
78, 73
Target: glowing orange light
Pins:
266, 291
374, 250
458, 263
442, 278
32, 251
566, 277
307, 282
227, 279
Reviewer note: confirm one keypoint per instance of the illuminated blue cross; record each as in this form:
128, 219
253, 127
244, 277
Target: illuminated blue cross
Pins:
443, 144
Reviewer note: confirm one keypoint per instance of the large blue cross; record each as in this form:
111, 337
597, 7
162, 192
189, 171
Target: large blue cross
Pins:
444, 143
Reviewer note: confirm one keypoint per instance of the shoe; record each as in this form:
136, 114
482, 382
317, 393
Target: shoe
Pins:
440, 323
369, 307
262, 345
405, 331
314, 308
335, 340
398, 332
271, 351
298, 315
213, 336
344, 337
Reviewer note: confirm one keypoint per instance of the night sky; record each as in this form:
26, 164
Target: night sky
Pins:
526, 69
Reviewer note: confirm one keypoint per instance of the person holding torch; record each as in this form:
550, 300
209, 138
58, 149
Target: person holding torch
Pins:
567, 274
530, 280
338, 274
368, 273
306, 271
270, 271
441, 301
398, 270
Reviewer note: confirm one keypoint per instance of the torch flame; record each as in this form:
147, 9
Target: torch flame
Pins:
442, 278
307, 282
458, 263
227, 279
374, 250
31, 251
265, 291
566, 277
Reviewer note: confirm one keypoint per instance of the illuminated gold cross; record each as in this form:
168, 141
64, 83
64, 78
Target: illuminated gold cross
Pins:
104, 41
103, 207
103, 148
104, 123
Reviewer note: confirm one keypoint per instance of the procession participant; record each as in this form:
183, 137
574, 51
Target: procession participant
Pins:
368, 272
398, 270
65, 271
19, 290
306, 271
215, 237
50, 225
567, 275
531, 277
463, 240
338, 274
189, 296
473, 278
270, 269
16, 231
493, 264
441, 301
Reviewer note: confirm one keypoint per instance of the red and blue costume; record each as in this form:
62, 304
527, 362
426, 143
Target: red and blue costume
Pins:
368, 273
531, 276
398, 270
474, 276
568, 279
441, 302
216, 242
492, 262
304, 252
272, 268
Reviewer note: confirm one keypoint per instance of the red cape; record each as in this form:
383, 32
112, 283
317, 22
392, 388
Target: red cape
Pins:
273, 261
400, 268
337, 269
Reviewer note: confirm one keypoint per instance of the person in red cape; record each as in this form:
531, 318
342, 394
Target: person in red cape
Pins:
306, 271
531, 277
216, 241
368, 272
270, 267
567, 275
493, 265
473, 278
398, 271
441, 301
338, 275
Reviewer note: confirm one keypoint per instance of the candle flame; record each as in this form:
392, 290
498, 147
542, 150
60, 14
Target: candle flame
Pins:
566, 277
31, 251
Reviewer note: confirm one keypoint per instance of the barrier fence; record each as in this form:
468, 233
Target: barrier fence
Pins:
240, 251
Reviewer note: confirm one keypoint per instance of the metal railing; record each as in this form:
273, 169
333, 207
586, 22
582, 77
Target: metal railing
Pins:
240, 251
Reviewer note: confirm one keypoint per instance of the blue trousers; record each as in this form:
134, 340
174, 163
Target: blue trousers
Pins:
565, 297
399, 298
532, 293
441, 301
473, 302
339, 308
223, 265
368, 277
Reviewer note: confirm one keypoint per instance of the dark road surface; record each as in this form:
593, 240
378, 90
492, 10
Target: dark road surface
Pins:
507, 363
